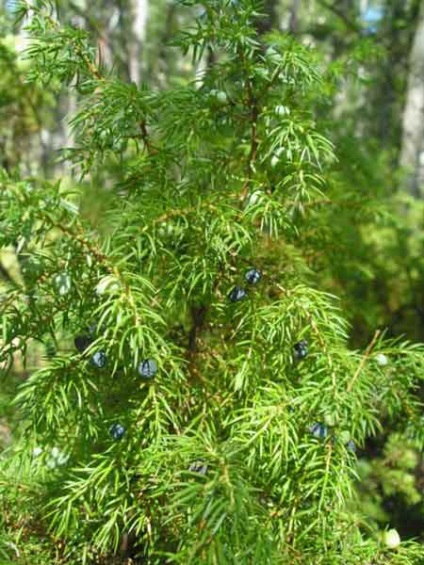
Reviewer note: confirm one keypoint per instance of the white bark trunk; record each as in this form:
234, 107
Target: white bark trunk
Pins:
412, 151
363, 5
139, 10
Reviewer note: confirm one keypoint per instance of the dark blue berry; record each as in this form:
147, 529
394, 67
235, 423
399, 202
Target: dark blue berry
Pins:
319, 430
148, 368
117, 431
198, 467
82, 342
301, 349
99, 359
253, 276
237, 294
351, 446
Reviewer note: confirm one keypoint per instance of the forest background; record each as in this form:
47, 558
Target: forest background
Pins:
370, 252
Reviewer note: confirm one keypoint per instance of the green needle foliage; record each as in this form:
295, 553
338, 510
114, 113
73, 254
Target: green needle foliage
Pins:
235, 448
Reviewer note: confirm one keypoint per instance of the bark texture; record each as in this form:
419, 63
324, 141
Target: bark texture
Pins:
140, 15
412, 151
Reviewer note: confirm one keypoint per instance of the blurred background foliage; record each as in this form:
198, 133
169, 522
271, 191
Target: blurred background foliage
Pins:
372, 255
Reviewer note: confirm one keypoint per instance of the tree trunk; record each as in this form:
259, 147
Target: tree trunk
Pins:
412, 151
270, 19
139, 9
294, 16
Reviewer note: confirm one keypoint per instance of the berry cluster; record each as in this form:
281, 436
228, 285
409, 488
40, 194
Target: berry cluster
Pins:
252, 276
147, 369
83, 342
300, 351
321, 431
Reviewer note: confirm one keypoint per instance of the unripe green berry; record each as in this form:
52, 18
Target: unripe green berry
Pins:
391, 539
219, 96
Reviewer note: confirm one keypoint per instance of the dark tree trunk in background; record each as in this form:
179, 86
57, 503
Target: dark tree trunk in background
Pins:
270, 19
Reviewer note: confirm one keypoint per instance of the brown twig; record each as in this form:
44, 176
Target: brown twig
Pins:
253, 106
92, 69
363, 360
146, 139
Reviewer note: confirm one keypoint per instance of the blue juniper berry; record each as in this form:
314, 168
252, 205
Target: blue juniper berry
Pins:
319, 430
300, 349
99, 359
82, 342
198, 467
148, 368
237, 294
351, 446
253, 276
117, 431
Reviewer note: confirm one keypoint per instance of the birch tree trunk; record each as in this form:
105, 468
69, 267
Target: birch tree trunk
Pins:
139, 10
412, 151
